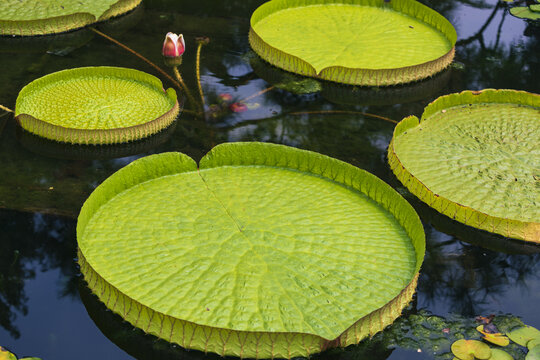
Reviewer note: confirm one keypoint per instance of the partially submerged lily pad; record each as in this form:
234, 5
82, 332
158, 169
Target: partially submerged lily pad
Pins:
470, 350
523, 335
360, 42
474, 157
266, 251
28, 18
498, 354
96, 105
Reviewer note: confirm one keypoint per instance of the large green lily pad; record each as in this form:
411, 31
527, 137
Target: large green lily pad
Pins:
96, 105
29, 17
474, 156
361, 42
263, 251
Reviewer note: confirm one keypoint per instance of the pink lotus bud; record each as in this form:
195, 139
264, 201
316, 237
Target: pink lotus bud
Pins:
238, 107
174, 45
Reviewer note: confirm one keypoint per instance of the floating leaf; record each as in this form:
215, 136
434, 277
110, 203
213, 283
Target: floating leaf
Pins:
534, 353
494, 338
257, 256
27, 18
498, 354
525, 12
480, 143
396, 42
524, 334
470, 350
534, 342
96, 105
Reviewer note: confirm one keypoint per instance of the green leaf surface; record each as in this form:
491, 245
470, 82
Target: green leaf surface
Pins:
475, 157
534, 353
262, 238
27, 17
498, 354
94, 99
534, 342
523, 335
526, 12
354, 34
470, 350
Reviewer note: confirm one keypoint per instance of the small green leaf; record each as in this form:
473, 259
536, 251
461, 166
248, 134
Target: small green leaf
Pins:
534, 342
523, 335
525, 12
534, 353
470, 350
497, 354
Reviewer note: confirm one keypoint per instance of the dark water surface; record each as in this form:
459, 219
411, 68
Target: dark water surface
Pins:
46, 311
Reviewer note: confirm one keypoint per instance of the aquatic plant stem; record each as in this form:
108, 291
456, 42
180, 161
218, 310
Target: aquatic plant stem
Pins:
188, 93
6, 109
343, 112
257, 94
198, 71
157, 68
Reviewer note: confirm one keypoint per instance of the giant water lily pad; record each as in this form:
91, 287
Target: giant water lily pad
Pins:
263, 251
96, 105
27, 18
361, 42
474, 156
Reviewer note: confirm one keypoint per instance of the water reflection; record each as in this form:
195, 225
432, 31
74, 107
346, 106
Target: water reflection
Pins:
32, 242
456, 277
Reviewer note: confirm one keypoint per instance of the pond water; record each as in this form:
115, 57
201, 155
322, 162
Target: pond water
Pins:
46, 311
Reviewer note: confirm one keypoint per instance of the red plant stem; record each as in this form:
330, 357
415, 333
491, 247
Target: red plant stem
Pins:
344, 112
257, 94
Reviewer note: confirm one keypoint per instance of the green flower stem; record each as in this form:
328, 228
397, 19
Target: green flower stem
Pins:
6, 109
181, 86
184, 86
198, 70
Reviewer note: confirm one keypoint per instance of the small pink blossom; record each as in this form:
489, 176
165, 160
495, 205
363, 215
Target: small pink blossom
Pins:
174, 45
238, 107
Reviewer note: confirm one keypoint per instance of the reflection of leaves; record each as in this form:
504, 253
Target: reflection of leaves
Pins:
48, 242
